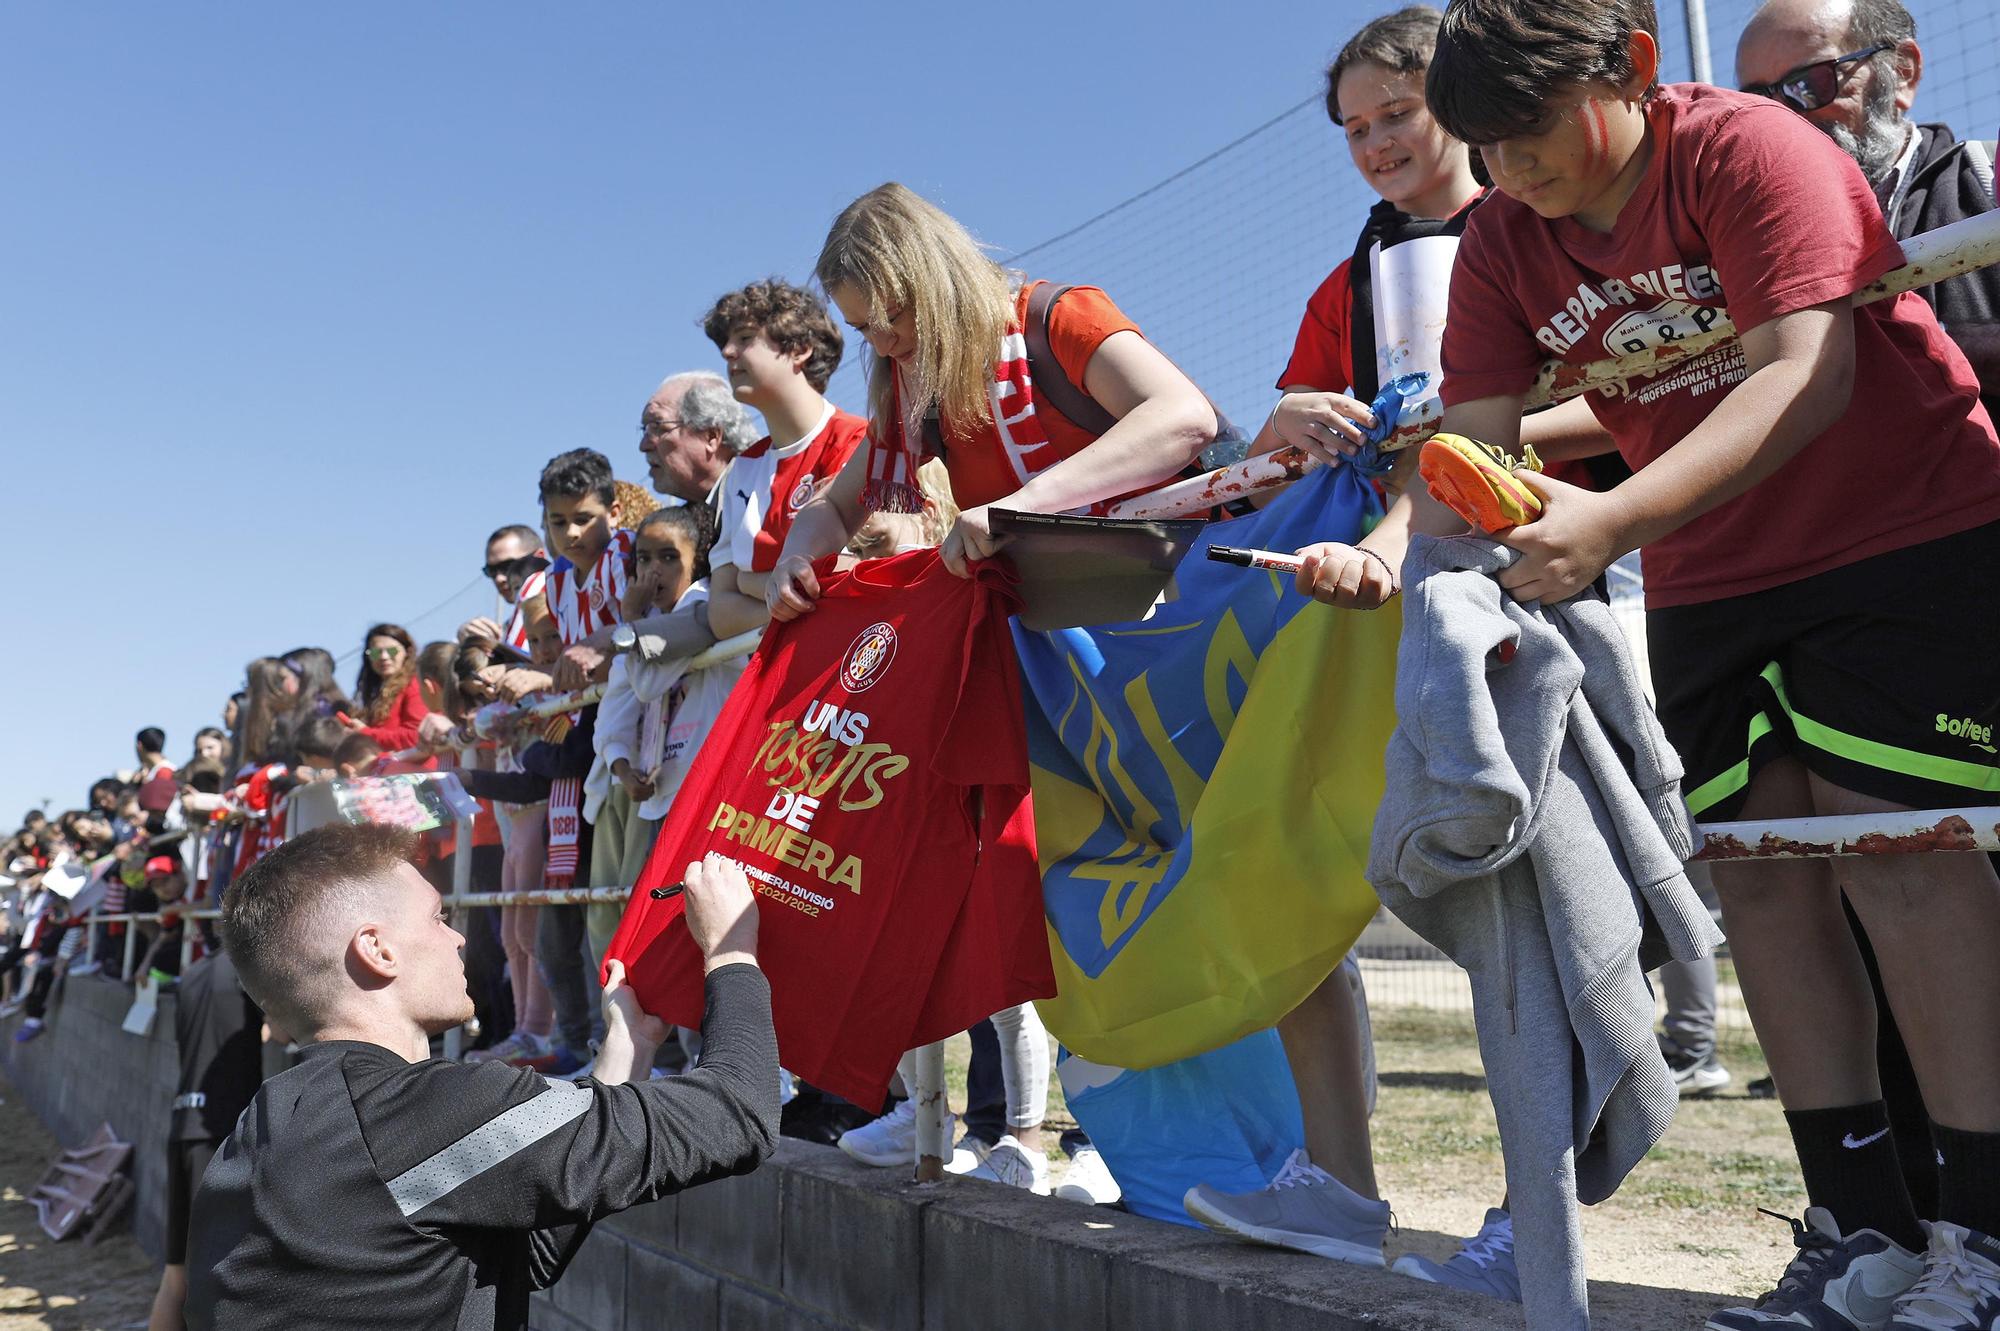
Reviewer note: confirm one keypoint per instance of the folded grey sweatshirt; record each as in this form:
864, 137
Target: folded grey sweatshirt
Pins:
1533, 830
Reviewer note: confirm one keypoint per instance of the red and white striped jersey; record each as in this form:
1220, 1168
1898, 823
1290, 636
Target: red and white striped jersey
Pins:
584, 605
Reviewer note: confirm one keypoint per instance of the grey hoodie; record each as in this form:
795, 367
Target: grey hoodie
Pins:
1534, 831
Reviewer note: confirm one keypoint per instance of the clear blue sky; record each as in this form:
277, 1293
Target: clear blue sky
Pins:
298, 298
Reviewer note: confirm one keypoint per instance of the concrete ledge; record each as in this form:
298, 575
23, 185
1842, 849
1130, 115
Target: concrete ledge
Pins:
814, 1240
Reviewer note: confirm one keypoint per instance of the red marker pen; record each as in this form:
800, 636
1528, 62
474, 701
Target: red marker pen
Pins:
1229, 554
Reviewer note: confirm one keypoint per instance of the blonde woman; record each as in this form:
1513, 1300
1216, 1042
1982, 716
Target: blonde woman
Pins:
950, 379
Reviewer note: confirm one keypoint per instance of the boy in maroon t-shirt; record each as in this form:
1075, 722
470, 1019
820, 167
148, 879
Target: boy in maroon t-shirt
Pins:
1819, 505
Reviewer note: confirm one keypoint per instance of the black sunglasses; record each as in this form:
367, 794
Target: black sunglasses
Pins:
1809, 87
516, 569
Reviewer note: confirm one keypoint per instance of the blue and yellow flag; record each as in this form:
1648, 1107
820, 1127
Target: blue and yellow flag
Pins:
1204, 784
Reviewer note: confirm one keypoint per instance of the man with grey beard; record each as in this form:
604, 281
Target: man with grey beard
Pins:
1852, 67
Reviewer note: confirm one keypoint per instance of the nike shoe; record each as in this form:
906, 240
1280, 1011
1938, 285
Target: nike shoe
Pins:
1960, 1287
1303, 1208
1087, 1180
1007, 1161
1476, 481
1695, 1075
1484, 1265
968, 1155
1837, 1282
890, 1140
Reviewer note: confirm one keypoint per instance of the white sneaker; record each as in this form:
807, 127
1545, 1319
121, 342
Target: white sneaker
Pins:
1087, 1180
1303, 1208
86, 967
968, 1155
1009, 1162
1960, 1287
889, 1141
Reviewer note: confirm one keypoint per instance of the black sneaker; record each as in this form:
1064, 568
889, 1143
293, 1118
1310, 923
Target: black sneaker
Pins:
1764, 1088
1836, 1283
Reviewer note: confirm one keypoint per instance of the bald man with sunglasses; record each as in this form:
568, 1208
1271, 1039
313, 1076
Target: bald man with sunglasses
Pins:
1852, 68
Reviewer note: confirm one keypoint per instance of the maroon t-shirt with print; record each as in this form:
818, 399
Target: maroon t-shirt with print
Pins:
1744, 205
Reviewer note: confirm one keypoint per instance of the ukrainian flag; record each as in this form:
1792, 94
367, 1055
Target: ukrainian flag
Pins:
1204, 784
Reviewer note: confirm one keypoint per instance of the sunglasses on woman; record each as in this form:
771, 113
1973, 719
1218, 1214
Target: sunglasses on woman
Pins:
1809, 87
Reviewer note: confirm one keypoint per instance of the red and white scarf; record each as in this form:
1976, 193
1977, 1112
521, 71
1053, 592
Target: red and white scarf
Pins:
893, 460
565, 831
583, 605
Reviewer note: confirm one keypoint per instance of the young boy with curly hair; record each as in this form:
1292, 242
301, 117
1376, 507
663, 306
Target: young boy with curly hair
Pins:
780, 346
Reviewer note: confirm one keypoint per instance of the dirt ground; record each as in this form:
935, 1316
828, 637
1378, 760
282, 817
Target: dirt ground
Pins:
1686, 1218
47, 1286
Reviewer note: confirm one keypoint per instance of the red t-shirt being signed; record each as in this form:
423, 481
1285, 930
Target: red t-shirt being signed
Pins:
870, 773
1744, 205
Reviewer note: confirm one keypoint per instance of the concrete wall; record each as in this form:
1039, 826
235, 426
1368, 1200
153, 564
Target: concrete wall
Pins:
812, 1239
84, 1070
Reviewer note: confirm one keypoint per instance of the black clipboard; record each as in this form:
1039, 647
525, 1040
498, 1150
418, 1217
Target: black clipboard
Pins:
1079, 571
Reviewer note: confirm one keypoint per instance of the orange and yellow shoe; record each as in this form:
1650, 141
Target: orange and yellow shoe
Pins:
1476, 481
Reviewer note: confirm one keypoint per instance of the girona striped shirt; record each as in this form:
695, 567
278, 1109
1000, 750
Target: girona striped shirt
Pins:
583, 605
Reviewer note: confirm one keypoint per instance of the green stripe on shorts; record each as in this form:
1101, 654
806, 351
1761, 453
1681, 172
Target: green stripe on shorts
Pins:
1719, 788
1874, 753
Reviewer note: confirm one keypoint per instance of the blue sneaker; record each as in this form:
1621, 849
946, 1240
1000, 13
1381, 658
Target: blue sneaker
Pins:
1484, 1265
1960, 1287
1304, 1208
29, 1030
558, 1060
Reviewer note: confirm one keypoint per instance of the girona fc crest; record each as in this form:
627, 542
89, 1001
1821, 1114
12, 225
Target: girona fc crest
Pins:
802, 494
868, 659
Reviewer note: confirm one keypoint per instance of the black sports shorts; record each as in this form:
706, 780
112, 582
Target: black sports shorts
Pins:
1881, 676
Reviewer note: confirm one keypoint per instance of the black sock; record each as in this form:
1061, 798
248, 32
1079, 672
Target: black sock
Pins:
1849, 1162
1968, 1177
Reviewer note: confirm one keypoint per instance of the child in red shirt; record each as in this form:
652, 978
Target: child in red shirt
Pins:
1805, 583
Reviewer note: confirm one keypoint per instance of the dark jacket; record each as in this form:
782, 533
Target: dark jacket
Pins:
1947, 184
360, 1190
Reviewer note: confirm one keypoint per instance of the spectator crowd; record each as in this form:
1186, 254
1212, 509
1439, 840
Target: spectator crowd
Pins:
1791, 617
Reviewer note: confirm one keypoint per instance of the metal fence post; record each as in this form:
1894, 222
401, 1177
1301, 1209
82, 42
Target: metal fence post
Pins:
933, 1114
1697, 33
461, 883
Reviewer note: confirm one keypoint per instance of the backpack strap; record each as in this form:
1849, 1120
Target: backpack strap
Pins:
1979, 156
1052, 384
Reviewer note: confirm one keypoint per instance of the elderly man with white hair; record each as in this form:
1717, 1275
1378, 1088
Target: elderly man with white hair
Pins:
690, 429
1852, 68
689, 432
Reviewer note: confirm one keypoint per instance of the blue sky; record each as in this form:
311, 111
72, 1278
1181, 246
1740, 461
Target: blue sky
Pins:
298, 298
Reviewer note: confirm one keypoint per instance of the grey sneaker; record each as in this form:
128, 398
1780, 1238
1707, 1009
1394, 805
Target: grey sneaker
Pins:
1484, 1265
1960, 1287
1304, 1208
1837, 1282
